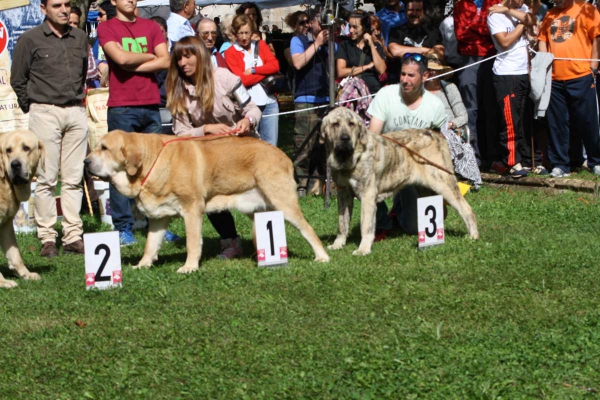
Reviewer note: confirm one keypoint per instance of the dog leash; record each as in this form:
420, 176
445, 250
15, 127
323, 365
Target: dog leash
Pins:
189, 138
414, 153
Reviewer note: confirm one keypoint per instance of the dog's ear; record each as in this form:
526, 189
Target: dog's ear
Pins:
131, 153
42, 153
323, 131
363, 132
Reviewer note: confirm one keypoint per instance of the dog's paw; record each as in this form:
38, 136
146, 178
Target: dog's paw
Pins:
31, 276
186, 270
323, 258
142, 264
361, 252
335, 246
8, 284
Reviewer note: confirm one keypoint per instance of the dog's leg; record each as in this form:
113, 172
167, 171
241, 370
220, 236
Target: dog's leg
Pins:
193, 233
448, 187
368, 218
286, 200
156, 234
8, 243
345, 206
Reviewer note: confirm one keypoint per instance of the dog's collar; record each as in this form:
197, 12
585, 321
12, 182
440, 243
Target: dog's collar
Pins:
185, 139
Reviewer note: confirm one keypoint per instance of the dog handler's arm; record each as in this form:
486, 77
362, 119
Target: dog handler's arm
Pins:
376, 125
19, 74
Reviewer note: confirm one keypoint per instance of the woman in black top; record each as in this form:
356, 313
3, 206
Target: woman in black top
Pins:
361, 56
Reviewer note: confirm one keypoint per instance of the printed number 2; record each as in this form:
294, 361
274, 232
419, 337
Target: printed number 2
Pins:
99, 277
432, 220
270, 229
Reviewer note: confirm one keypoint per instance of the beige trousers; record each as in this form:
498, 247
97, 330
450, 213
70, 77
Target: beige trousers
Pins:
63, 130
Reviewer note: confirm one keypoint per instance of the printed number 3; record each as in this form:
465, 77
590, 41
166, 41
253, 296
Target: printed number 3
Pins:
432, 220
99, 277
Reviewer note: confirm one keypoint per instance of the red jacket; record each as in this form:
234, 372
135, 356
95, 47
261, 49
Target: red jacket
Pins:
235, 62
471, 28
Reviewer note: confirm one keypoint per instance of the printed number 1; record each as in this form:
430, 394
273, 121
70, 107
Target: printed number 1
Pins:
270, 229
432, 220
99, 277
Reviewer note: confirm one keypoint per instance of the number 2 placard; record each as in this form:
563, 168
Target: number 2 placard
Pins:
271, 244
431, 220
102, 260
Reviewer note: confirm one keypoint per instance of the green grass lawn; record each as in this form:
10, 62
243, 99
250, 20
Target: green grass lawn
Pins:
513, 315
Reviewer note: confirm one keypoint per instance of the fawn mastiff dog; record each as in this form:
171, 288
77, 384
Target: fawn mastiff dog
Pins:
372, 168
21, 153
191, 177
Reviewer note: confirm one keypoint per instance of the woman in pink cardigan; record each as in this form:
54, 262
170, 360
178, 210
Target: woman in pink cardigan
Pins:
205, 100
251, 70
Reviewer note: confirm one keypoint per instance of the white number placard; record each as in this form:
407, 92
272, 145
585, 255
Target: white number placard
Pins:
431, 220
271, 244
102, 260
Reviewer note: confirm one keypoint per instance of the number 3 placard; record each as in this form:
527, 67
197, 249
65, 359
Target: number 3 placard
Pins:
102, 260
271, 244
431, 220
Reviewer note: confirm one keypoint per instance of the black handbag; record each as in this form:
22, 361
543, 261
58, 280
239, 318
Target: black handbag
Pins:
274, 83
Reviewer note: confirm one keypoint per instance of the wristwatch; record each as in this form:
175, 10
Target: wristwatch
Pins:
253, 70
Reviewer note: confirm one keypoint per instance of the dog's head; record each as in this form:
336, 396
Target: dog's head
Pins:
345, 136
117, 158
21, 154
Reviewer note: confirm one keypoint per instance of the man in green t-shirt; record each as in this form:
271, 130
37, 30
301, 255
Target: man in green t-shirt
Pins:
402, 106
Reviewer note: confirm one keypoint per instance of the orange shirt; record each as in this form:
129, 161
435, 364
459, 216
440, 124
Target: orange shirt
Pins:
569, 33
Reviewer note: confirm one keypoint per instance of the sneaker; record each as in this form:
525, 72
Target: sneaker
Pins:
74, 248
597, 170
539, 170
171, 237
517, 171
126, 237
48, 250
559, 173
231, 248
499, 168
381, 234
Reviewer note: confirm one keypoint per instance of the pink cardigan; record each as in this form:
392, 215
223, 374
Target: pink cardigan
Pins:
235, 61
225, 110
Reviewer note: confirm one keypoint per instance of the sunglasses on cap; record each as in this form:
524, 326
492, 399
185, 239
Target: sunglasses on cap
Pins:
415, 56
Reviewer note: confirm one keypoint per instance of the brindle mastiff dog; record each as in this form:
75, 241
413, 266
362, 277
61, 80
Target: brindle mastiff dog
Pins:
190, 178
20, 155
366, 165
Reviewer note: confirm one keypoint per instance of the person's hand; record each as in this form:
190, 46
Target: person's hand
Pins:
243, 126
322, 38
498, 9
368, 39
211, 129
370, 65
248, 71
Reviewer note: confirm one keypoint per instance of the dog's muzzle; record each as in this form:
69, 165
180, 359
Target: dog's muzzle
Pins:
344, 149
18, 176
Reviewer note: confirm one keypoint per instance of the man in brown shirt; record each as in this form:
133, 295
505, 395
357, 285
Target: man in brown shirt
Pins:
48, 73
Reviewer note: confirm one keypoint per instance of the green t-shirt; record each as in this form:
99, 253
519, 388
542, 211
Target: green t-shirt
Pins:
388, 106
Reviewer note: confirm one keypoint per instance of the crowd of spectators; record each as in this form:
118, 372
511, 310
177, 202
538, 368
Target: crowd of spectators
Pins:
505, 99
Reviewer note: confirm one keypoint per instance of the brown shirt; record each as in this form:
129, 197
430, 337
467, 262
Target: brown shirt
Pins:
48, 69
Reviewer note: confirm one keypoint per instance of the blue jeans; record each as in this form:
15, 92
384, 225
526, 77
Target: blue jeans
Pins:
130, 119
269, 126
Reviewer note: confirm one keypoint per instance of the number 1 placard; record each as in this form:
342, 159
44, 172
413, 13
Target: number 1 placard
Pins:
102, 260
431, 220
271, 244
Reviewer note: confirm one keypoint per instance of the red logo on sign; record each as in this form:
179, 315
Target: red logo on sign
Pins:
90, 279
261, 255
117, 277
440, 233
422, 237
283, 252
3, 37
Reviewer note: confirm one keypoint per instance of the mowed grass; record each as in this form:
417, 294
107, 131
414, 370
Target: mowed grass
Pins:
513, 315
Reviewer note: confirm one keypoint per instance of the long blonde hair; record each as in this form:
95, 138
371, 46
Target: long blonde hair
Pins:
203, 79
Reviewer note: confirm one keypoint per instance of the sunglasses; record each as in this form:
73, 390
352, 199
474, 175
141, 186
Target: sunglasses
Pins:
206, 34
101, 14
415, 56
303, 22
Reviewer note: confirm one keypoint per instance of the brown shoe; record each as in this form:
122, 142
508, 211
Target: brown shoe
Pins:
48, 250
74, 248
